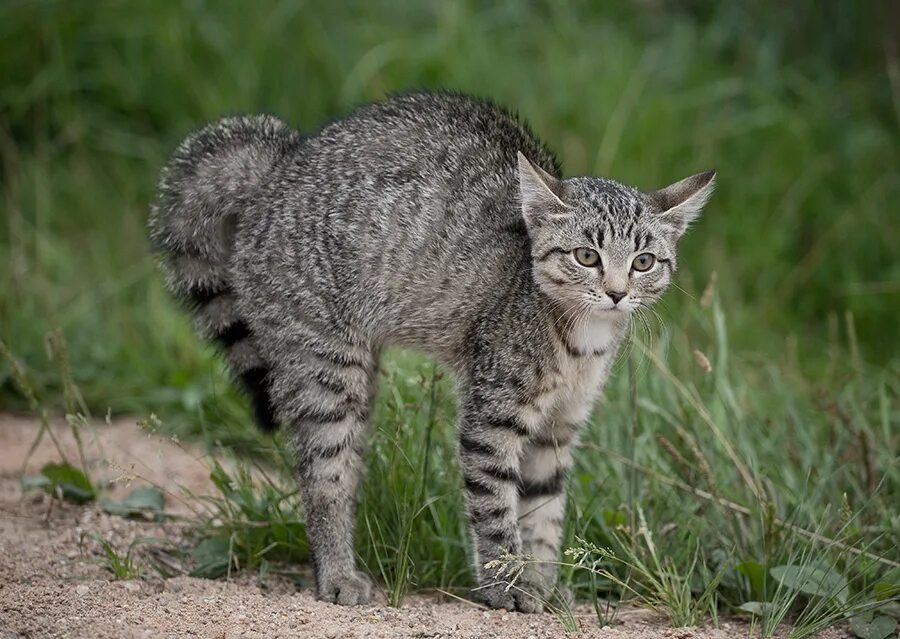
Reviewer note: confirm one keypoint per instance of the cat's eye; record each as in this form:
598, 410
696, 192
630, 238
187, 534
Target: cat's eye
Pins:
643, 262
587, 257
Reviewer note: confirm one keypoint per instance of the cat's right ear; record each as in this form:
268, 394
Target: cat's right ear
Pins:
539, 192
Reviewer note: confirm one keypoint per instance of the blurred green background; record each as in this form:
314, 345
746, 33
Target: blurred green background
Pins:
791, 102
797, 105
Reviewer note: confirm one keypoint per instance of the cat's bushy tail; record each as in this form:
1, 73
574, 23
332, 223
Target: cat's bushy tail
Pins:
211, 180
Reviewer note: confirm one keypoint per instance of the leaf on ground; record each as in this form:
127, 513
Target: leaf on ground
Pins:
755, 574
812, 580
145, 501
758, 608
212, 557
888, 586
70, 482
868, 627
32, 482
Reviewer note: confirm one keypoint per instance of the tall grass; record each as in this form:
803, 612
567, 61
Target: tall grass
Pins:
759, 412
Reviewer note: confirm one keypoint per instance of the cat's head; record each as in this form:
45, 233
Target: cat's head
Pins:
602, 246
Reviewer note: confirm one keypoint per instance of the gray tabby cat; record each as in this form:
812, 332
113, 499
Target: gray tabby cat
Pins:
430, 221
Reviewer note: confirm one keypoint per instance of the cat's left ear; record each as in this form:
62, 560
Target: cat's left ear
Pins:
680, 204
540, 193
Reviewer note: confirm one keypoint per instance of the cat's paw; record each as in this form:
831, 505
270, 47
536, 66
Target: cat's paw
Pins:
529, 599
345, 590
522, 597
496, 596
545, 584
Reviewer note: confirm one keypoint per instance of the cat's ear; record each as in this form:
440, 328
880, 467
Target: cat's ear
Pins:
680, 204
539, 191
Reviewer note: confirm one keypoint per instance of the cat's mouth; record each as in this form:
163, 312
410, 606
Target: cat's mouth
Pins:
619, 309
608, 308
601, 302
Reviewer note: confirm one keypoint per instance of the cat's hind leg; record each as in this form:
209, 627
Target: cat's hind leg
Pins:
323, 388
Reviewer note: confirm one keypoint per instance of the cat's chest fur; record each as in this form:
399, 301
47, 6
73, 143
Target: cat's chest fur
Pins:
569, 389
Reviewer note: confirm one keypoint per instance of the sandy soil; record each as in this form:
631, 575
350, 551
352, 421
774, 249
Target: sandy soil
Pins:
52, 585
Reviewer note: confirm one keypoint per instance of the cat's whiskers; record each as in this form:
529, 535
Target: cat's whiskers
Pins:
646, 325
579, 311
646, 321
566, 317
549, 304
691, 297
659, 318
625, 353
629, 337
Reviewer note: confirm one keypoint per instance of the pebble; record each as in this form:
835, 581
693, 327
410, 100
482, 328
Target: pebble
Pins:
81, 590
132, 586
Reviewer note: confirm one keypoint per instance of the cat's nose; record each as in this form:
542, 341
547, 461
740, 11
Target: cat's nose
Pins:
616, 297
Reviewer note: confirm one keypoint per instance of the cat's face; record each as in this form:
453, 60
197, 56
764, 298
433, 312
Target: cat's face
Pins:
603, 247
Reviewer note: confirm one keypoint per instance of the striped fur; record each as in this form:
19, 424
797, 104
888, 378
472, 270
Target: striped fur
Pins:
207, 185
428, 221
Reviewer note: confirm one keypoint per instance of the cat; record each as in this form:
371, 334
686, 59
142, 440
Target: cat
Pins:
431, 221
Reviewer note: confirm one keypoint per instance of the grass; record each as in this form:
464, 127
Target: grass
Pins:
753, 422
121, 566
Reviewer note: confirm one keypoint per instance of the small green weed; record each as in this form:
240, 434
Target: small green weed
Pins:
144, 502
652, 582
62, 479
121, 566
253, 522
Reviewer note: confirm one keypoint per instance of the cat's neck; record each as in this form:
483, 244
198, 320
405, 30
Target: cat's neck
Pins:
586, 334
597, 334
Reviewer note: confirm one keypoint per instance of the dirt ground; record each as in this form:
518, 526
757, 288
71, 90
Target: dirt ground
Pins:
51, 585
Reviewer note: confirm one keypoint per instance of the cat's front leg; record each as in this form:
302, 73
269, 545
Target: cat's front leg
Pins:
545, 462
491, 438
